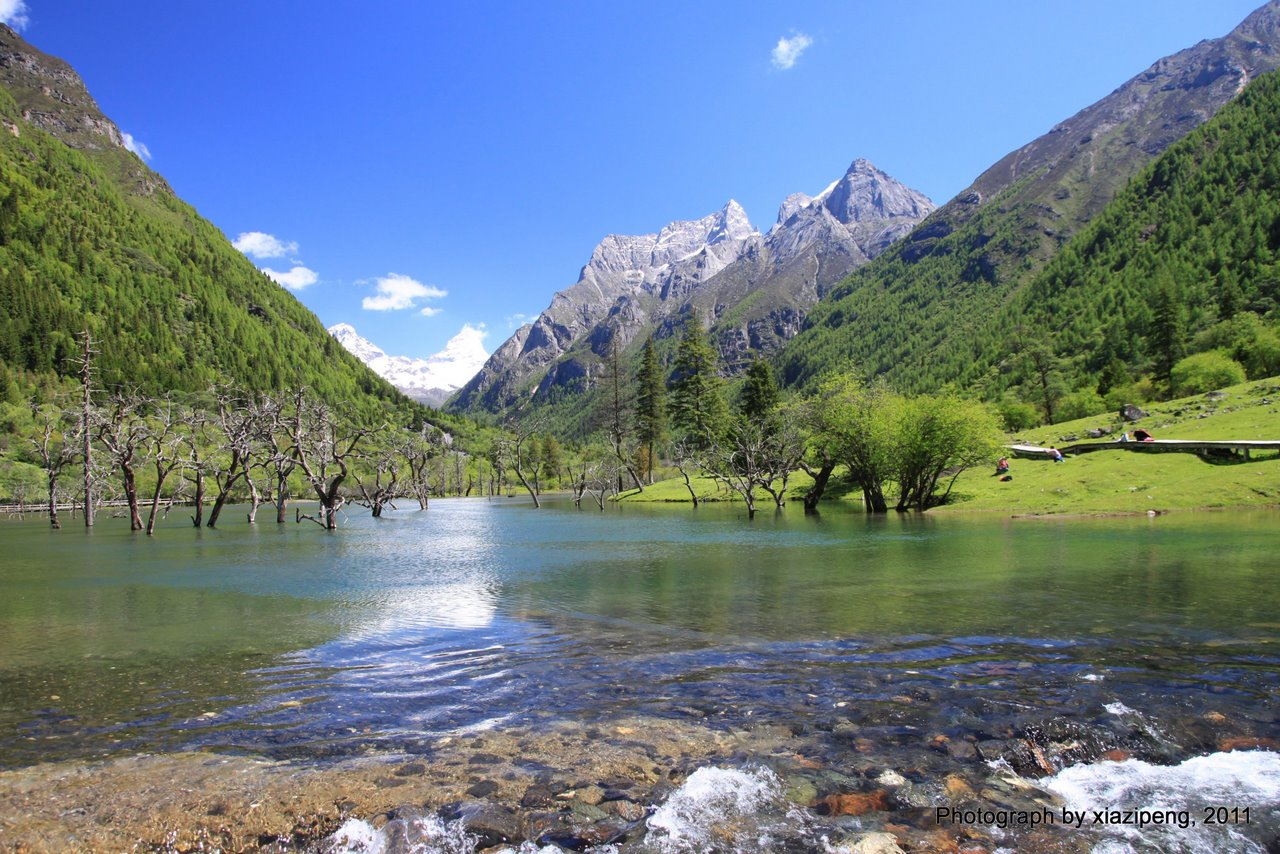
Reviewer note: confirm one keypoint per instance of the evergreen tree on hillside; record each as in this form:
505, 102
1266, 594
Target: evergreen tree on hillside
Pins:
1168, 330
698, 409
1204, 216
651, 420
759, 392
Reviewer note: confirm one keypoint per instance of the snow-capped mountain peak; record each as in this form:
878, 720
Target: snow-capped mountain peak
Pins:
362, 348
430, 380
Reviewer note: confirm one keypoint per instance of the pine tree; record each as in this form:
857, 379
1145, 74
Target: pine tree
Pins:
651, 421
760, 393
698, 410
1168, 329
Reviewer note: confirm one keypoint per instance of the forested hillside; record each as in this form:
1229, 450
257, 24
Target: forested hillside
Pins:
1185, 259
937, 307
90, 238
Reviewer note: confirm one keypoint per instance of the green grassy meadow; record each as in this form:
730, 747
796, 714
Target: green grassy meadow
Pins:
1102, 481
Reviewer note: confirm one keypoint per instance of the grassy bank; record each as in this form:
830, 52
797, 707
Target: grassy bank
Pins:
1103, 481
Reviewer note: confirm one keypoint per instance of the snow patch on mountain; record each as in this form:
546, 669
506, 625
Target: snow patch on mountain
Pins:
429, 380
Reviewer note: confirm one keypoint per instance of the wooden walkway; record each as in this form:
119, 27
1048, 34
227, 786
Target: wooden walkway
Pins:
1157, 446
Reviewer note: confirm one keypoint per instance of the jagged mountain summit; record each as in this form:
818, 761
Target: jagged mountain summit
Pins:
814, 244
429, 380
754, 288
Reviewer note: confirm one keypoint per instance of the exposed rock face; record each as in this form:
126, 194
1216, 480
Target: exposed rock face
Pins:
430, 380
660, 267
56, 99
53, 98
813, 245
634, 286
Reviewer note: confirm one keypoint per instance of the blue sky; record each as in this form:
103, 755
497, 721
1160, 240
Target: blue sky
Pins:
466, 158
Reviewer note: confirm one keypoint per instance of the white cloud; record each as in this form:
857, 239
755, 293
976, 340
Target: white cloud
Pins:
518, 319
262, 245
396, 291
430, 312
295, 279
137, 146
13, 13
788, 50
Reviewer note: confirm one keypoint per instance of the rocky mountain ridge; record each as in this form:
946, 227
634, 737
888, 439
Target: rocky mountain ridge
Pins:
634, 286
53, 97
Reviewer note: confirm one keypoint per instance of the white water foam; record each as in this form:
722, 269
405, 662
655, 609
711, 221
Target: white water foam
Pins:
726, 810
1185, 794
426, 835
716, 810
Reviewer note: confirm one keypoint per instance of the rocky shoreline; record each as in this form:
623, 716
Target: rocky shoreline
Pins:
631, 784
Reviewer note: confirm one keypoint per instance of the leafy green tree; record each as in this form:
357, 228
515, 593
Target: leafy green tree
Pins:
937, 435
1081, 404
1245, 338
698, 409
1044, 382
856, 423
1114, 375
1205, 372
1017, 415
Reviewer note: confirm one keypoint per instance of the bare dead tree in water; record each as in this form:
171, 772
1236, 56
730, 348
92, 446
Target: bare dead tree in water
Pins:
165, 445
459, 467
738, 461
583, 471
275, 452
515, 449
57, 448
419, 448
122, 429
604, 478
685, 459
324, 450
194, 464
384, 488
618, 427
85, 362
784, 449
236, 424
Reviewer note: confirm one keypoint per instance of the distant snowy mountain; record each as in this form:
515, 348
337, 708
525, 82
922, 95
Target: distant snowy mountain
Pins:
428, 381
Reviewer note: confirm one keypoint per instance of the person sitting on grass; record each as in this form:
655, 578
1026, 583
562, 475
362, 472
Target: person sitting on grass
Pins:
1002, 467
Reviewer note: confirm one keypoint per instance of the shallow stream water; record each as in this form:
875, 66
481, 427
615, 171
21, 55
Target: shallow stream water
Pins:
865, 655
